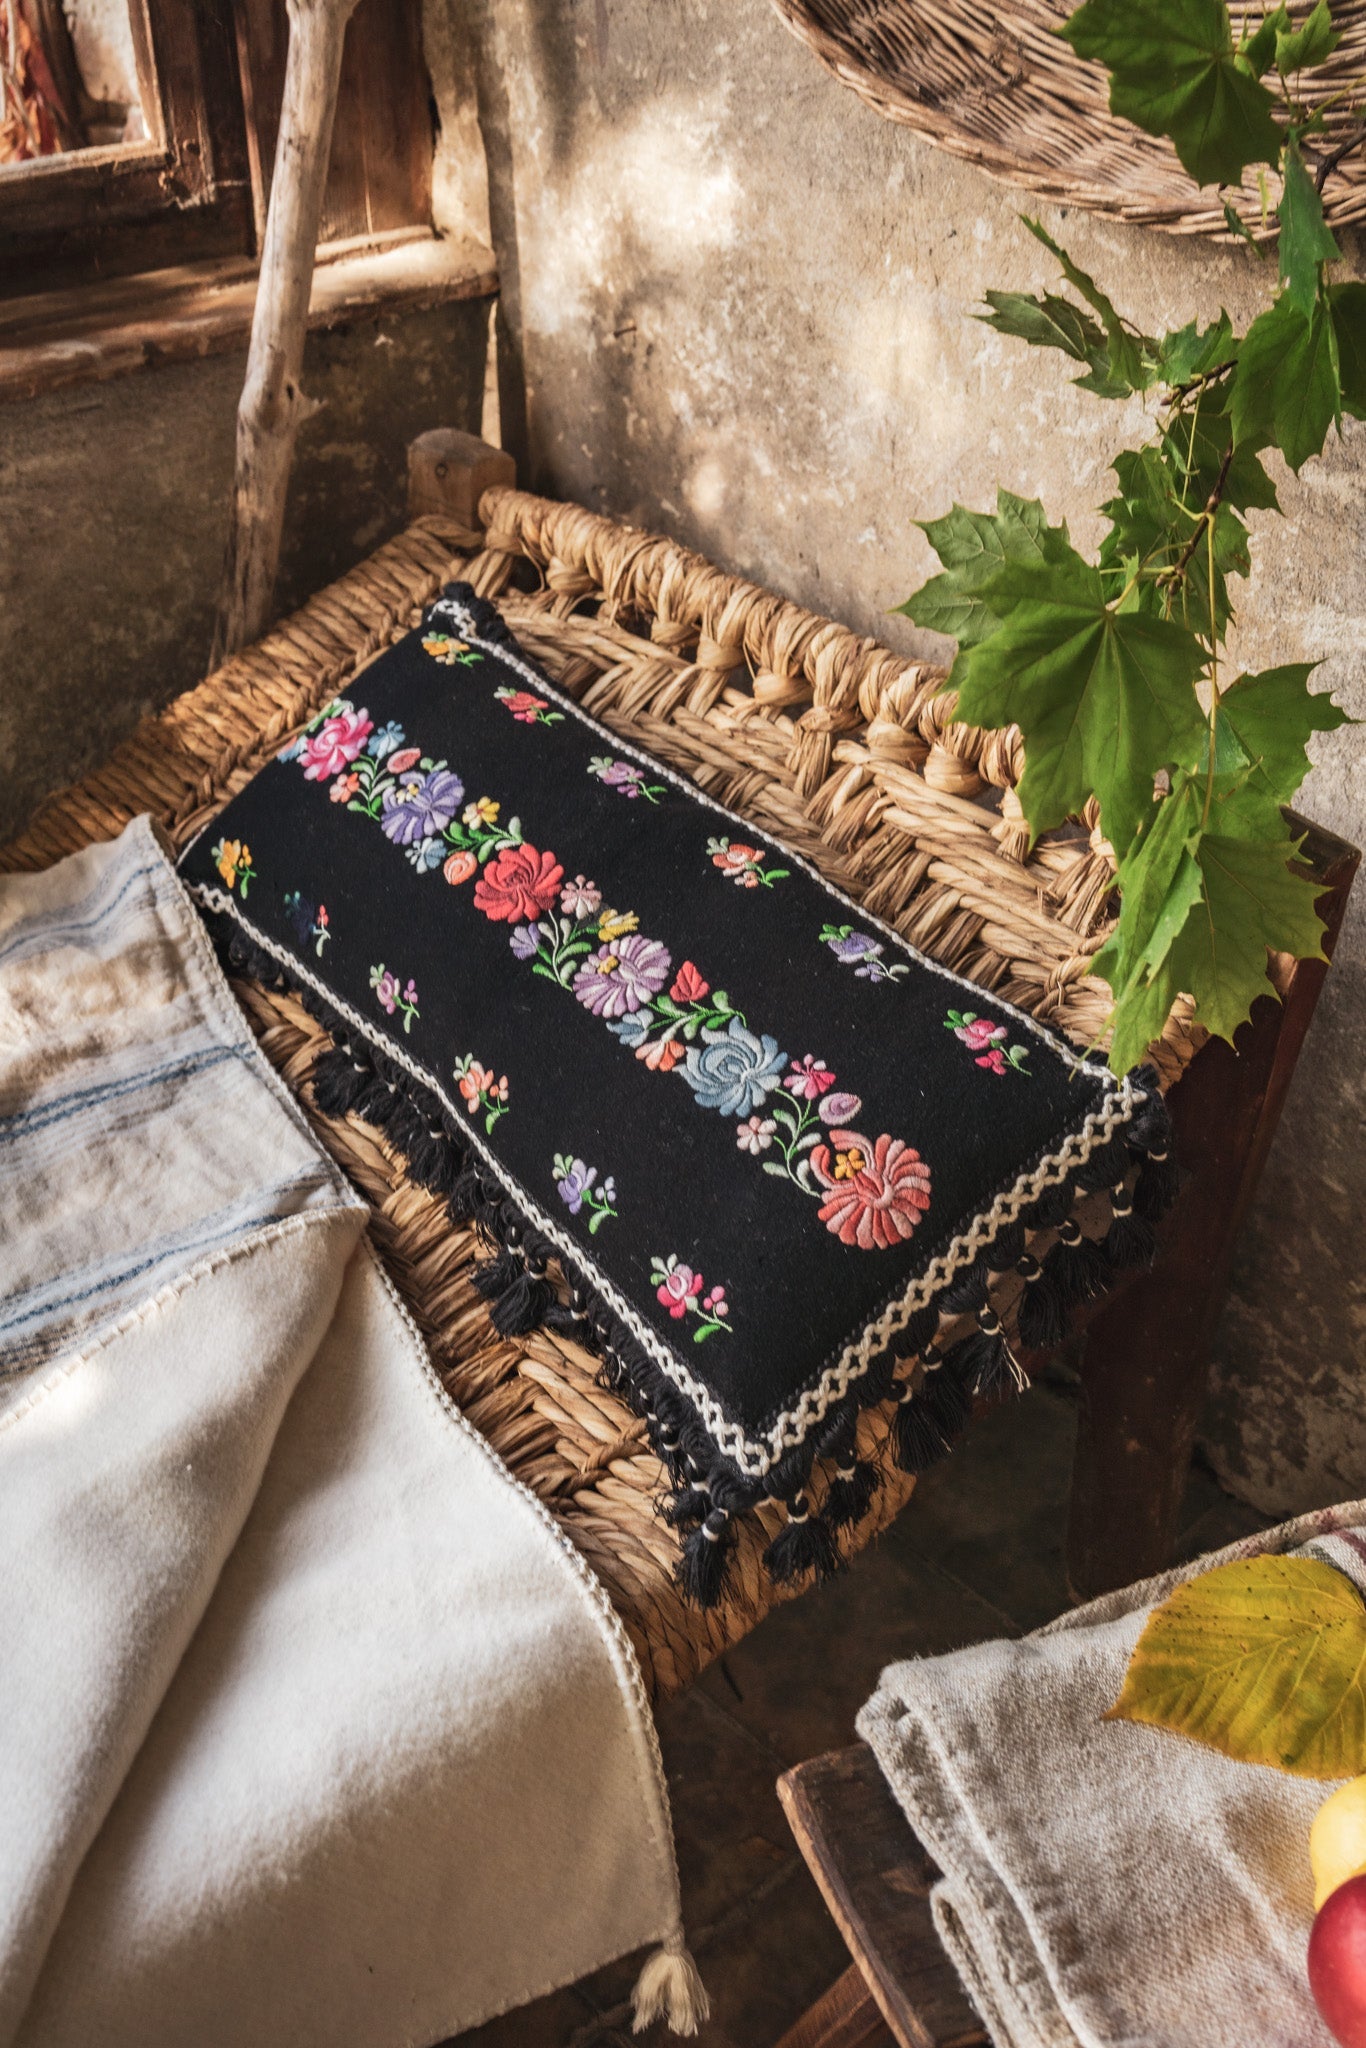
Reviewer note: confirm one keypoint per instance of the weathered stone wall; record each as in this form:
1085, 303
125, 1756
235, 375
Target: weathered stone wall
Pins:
113, 511
739, 302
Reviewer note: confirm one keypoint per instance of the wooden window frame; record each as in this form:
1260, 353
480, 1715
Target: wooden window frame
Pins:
182, 196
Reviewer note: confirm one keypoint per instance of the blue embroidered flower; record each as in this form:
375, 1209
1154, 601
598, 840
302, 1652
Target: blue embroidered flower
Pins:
733, 1070
427, 854
383, 742
421, 804
632, 1029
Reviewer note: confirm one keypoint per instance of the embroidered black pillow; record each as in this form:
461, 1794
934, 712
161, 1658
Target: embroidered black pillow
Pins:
767, 1143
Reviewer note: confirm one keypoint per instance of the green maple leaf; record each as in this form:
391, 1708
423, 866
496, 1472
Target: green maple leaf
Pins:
1210, 941
1258, 53
1299, 48
1264, 725
1105, 695
1174, 71
1305, 242
973, 547
1286, 390
1125, 368
1193, 351
1347, 310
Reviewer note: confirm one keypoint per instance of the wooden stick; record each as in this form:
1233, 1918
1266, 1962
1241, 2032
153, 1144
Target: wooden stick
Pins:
273, 406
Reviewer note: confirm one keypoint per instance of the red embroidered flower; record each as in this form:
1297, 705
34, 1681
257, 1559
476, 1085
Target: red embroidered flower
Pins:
473, 1082
977, 1032
459, 868
734, 859
523, 705
689, 986
878, 1192
662, 1056
518, 885
401, 762
809, 1077
995, 1059
678, 1289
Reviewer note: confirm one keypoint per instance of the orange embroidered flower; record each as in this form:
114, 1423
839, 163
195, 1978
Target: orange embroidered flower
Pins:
877, 1192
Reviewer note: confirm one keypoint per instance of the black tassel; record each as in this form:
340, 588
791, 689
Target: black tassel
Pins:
1076, 1265
1129, 1241
706, 1554
1005, 1248
917, 1440
1053, 1207
1041, 1316
1155, 1188
851, 1493
688, 1508
984, 1362
494, 1276
339, 1076
803, 1544
1106, 1165
522, 1307
947, 1399
968, 1292
918, 1332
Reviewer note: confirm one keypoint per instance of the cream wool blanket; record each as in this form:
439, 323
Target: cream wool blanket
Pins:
316, 1728
1108, 1885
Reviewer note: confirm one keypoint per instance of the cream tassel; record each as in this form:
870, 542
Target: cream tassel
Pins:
669, 1988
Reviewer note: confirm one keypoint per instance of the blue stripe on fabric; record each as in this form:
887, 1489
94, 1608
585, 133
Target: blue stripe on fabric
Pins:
46, 929
237, 1221
78, 1100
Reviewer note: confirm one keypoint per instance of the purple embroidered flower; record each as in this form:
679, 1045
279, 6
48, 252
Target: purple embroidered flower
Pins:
574, 1184
580, 898
853, 945
525, 941
421, 805
623, 975
621, 775
840, 1108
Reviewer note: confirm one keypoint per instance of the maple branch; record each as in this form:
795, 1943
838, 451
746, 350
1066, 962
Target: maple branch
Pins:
1203, 520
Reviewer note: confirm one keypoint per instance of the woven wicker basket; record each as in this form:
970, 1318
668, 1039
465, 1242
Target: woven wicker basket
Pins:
829, 740
995, 85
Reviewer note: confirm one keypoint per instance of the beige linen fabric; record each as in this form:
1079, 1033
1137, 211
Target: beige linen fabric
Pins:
317, 1730
1106, 1884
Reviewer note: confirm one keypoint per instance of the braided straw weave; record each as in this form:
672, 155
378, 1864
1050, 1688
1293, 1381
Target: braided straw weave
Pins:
835, 744
997, 86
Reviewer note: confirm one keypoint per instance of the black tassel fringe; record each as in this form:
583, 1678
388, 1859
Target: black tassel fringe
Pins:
355, 1078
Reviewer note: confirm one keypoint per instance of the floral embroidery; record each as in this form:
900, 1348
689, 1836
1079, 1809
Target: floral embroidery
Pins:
526, 709
987, 1041
574, 1183
308, 923
862, 952
232, 858
445, 648
677, 1287
871, 1194
623, 776
479, 1090
743, 864
875, 1193
392, 996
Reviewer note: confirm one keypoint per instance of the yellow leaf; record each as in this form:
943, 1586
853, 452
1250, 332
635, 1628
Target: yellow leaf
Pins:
1264, 1659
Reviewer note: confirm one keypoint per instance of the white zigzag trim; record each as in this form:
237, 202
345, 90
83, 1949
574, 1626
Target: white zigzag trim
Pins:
755, 1457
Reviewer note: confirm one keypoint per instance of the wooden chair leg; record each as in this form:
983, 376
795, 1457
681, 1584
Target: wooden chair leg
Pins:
846, 2017
1145, 1362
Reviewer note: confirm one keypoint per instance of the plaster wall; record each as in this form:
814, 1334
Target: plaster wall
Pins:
735, 306
113, 520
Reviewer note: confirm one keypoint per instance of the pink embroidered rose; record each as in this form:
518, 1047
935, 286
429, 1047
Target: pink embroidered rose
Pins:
979, 1032
335, 744
473, 1082
677, 1289
518, 885
523, 705
877, 1192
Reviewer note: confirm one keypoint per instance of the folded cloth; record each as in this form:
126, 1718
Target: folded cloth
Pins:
1104, 1883
316, 1727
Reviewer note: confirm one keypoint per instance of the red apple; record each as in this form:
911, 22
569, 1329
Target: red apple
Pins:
1337, 1962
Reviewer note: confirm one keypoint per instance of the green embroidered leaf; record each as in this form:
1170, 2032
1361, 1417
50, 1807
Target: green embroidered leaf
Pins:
1263, 1659
1286, 390
973, 546
1173, 71
1305, 242
1105, 696
1264, 725
1315, 39
1347, 310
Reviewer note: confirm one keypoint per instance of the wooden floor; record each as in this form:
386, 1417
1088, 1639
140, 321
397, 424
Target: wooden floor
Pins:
978, 1553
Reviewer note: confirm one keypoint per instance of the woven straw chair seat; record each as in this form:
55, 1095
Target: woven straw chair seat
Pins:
996, 86
832, 742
